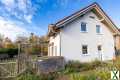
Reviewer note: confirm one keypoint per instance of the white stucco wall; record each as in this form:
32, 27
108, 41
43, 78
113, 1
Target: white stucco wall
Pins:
72, 40
56, 45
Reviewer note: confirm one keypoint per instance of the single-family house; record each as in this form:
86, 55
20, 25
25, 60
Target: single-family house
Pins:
86, 35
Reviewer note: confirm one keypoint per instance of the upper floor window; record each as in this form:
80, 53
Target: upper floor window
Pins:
98, 30
83, 27
84, 49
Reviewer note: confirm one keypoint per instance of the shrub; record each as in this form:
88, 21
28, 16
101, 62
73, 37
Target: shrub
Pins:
117, 52
29, 75
9, 51
50, 76
72, 66
116, 63
97, 75
76, 66
103, 75
83, 77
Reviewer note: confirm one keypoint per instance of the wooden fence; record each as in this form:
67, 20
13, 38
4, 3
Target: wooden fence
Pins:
8, 68
13, 67
16, 66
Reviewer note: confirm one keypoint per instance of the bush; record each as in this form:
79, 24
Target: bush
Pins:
83, 77
9, 51
97, 75
103, 75
72, 66
76, 66
30, 75
117, 52
116, 63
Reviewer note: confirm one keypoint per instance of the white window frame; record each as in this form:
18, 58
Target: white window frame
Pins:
98, 27
84, 26
55, 50
84, 49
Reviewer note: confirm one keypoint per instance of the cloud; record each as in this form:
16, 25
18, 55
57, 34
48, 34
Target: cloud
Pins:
23, 10
22, 5
63, 3
28, 18
8, 3
11, 30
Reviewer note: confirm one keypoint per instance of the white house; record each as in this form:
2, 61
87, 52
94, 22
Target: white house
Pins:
84, 36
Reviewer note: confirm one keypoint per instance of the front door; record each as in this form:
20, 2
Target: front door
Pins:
100, 52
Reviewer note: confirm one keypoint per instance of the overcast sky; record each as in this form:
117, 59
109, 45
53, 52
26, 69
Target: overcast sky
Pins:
21, 17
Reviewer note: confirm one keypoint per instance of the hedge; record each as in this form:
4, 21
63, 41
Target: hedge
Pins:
9, 51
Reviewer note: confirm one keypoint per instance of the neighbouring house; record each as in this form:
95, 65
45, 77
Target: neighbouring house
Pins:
86, 35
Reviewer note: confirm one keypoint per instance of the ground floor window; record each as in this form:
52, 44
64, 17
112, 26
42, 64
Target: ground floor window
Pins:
99, 47
52, 50
84, 49
55, 50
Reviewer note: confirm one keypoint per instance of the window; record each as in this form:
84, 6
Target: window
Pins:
55, 50
52, 50
83, 27
84, 49
49, 51
99, 48
98, 29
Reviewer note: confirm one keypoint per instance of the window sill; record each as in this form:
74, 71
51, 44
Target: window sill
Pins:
99, 34
85, 54
84, 32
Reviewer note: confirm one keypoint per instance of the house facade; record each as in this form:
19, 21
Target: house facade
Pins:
86, 35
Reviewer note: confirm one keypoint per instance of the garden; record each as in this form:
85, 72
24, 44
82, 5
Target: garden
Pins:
75, 70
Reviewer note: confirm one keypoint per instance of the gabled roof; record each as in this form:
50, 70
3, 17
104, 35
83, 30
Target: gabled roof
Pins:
93, 7
77, 13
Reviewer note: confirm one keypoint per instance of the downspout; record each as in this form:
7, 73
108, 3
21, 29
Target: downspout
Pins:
115, 44
115, 47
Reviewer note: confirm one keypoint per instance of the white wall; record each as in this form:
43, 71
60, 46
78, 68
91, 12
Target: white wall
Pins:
56, 41
72, 40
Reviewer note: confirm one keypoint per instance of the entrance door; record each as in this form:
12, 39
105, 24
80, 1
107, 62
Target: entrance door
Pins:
100, 52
